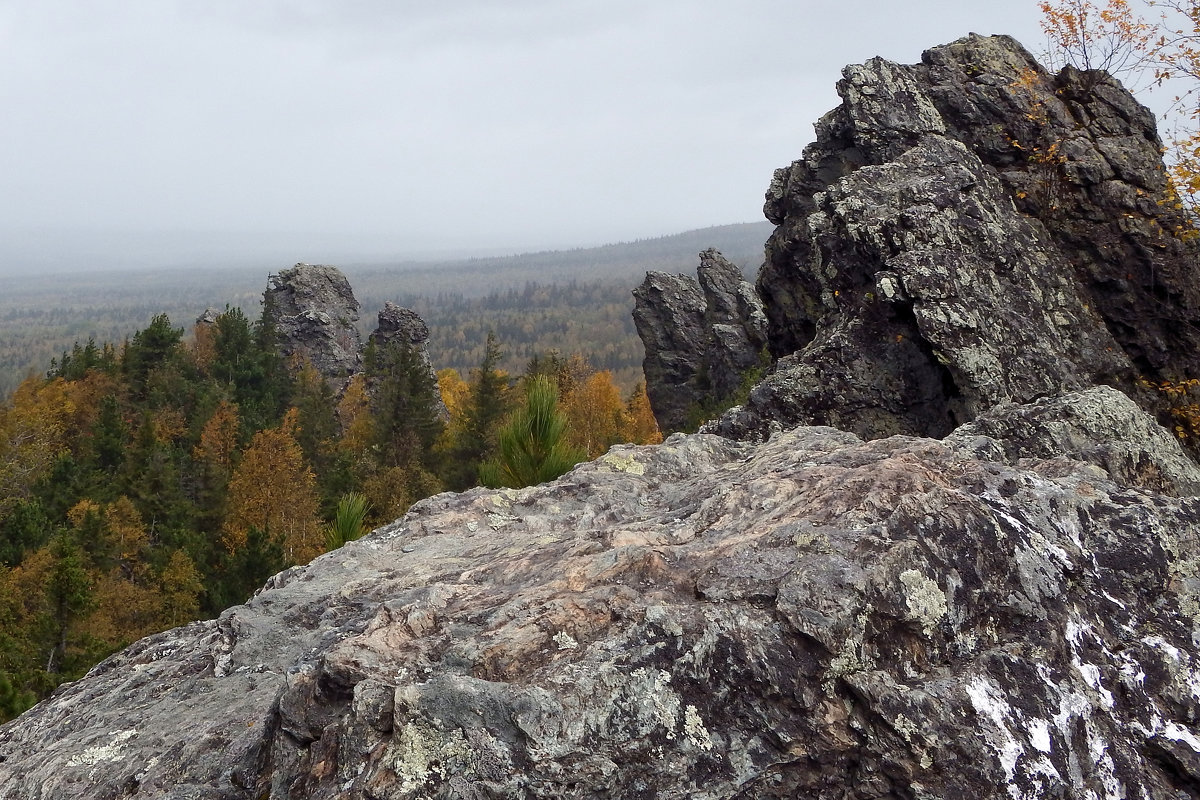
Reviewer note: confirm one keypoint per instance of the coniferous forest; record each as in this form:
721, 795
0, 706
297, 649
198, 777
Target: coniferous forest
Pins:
156, 481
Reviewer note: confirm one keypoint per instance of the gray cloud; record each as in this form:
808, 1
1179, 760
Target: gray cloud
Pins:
412, 125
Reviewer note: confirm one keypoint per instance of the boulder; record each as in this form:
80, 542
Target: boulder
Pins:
701, 338
815, 616
314, 313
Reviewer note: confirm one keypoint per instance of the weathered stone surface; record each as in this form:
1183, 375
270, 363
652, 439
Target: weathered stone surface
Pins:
811, 617
1100, 426
700, 337
1103, 206
314, 312
403, 325
736, 321
966, 232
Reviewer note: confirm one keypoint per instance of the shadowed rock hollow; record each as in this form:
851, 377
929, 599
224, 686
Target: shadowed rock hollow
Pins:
1011, 611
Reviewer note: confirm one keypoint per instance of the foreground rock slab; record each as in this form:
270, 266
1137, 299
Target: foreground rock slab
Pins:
816, 616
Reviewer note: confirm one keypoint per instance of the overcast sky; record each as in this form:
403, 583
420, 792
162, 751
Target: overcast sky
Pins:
335, 129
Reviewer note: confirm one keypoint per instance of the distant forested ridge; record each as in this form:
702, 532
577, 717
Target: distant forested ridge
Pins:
40, 317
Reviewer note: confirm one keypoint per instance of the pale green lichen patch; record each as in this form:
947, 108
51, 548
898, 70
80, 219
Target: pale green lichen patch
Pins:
565, 641
498, 521
660, 703
850, 658
422, 753
926, 602
621, 463
694, 730
912, 734
504, 498
103, 753
811, 540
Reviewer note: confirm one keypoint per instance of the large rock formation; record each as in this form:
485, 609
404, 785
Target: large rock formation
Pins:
314, 313
1012, 611
811, 617
701, 337
968, 231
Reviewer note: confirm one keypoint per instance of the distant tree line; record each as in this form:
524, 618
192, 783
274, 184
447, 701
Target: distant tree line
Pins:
592, 318
40, 315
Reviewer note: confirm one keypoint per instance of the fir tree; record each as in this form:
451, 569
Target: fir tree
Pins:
405, 401
149, 349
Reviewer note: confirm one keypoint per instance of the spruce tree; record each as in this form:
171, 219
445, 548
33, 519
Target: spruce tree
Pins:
150, 349
486, 405
405, 399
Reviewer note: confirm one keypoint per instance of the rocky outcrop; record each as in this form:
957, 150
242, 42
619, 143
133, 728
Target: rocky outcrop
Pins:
314, 313
966, 232
404, 327
1010, 611
700, 337
208, 318
399, 325
816, 616
668, 312
736, 322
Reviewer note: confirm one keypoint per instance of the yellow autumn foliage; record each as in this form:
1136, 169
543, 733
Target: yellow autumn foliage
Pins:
274, 490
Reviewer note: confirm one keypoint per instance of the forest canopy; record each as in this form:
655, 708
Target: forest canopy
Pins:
159, 480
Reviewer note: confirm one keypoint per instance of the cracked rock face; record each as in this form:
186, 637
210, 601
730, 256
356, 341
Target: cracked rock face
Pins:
816, 616
700, 337
930, 260
314, 312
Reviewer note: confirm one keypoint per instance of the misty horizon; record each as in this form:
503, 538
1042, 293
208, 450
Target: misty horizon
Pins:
41, 252
145, 133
